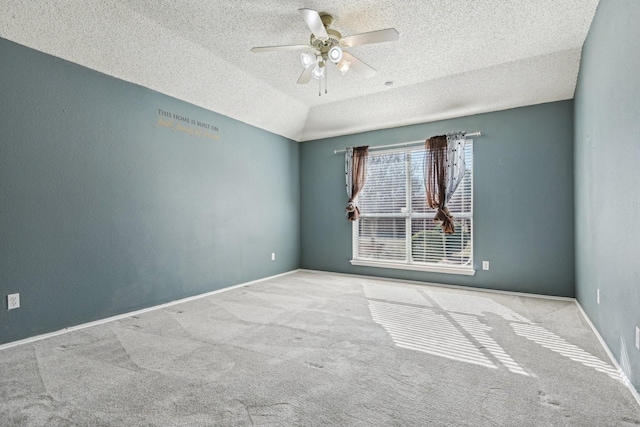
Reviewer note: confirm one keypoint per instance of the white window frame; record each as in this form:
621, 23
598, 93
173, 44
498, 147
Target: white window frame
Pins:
409, 264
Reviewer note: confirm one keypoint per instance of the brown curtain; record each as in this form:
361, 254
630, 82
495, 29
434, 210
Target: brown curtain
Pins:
435, 180
356, 173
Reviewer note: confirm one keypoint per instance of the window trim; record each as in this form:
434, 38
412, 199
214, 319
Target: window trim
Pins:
410, 265
414, 267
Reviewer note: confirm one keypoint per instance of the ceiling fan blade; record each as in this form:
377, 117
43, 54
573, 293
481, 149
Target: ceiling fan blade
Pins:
279, 48
359, 66
305, 77
388, 35
314, 22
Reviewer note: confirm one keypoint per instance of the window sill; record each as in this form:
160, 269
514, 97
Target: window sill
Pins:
417, 267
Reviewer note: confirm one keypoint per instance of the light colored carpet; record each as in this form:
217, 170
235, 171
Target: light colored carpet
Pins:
315, 349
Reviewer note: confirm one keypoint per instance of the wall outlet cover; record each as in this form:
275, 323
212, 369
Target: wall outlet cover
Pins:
13, 301
598, 296
273, 256
485, 265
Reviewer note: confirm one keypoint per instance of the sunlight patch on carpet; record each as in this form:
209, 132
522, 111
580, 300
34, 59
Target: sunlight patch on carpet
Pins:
420, 329
549, 340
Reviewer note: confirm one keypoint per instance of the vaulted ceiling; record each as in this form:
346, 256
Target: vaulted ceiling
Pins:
454, 57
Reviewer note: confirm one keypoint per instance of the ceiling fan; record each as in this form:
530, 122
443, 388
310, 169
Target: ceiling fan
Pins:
328, 46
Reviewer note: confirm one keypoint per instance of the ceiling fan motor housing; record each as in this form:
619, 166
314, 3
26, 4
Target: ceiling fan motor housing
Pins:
326, 44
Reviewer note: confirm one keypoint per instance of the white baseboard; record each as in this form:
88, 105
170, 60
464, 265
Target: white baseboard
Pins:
615, 363
442, 285
134, 313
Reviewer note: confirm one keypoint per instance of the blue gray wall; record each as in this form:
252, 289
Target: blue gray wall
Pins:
607, 179
523, 200
103, 211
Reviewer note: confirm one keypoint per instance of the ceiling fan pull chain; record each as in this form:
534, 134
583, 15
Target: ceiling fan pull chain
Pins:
326, 80
319, 87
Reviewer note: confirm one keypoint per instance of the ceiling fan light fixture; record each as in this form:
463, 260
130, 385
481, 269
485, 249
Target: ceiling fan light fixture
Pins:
306, 59
318, 72
326, 44
343, 66
335, 54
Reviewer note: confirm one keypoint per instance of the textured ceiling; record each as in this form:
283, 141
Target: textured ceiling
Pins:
454, 57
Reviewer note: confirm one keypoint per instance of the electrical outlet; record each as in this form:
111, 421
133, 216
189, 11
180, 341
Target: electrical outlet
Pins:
637, 338
273, 256
598, 296
485, 265
13, 301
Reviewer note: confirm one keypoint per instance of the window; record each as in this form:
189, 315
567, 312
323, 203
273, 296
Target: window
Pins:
396, 227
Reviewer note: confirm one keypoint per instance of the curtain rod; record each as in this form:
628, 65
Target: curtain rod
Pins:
404, 144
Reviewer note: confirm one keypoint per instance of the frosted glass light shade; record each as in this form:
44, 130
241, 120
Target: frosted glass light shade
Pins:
335, 54
306, 59
318, 72
343, 66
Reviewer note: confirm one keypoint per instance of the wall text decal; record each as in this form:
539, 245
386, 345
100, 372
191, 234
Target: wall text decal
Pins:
192, 127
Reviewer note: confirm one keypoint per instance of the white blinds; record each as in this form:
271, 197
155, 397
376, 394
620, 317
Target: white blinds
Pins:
382, 239
396, 225
385, 189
